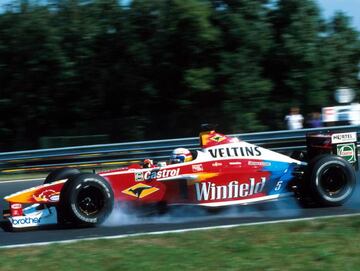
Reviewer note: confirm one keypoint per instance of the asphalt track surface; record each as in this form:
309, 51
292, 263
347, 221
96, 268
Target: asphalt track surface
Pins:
178, 218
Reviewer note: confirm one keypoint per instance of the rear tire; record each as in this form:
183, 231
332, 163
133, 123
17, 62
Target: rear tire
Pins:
332, 180
86, 200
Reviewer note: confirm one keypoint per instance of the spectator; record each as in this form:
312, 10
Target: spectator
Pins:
294, 120
314, 120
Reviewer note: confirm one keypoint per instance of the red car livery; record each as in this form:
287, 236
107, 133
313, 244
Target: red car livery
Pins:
225, 171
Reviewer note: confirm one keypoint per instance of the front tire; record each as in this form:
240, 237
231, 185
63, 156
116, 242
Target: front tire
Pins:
332, 180
86, 200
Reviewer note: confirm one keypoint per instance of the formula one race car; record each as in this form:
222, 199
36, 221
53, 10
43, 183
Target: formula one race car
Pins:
225, 171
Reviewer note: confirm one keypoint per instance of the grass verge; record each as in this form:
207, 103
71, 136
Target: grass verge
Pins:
326, 244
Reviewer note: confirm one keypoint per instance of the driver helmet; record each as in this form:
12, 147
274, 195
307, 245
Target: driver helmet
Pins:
148, 163
180, 155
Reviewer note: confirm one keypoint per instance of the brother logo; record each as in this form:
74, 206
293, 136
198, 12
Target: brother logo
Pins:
26, 221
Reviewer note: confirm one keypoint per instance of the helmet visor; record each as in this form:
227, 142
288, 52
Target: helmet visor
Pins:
174, 159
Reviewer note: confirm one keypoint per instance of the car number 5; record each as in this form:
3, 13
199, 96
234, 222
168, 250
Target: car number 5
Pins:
278, 185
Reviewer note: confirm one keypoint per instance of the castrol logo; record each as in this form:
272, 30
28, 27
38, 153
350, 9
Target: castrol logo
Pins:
160, 174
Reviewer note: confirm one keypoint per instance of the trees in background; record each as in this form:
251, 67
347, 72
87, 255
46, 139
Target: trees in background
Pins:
157, 69
245, 42
294, 63
341, 53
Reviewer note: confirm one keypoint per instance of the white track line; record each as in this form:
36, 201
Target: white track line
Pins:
24, 180
175, 231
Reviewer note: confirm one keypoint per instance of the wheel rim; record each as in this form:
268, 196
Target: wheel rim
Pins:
90, 200
334, 183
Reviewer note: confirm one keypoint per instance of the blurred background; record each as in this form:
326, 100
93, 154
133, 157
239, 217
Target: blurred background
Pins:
76, 72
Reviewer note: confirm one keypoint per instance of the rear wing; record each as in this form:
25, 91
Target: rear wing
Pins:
341, 144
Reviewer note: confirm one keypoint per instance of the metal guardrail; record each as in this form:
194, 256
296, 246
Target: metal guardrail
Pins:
95, 155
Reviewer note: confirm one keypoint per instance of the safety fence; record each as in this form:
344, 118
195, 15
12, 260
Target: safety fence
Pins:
124, 153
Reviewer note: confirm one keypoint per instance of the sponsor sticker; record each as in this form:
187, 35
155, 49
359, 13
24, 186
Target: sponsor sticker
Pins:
233, 190
28, 221
343, 138
161, 173
54, 198
259, 163
48, 195
16, 206
347, 151
247, 151
16, 209
216, 164
235, 163
140, 190
217, 138
197, 168
139, 176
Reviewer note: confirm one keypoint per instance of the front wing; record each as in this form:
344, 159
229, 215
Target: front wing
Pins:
33, 216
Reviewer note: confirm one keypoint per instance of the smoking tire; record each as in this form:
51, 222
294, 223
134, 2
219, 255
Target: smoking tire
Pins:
60, 174
332, 180
85, 200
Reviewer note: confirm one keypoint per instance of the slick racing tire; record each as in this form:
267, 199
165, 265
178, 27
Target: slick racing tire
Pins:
60, 174
86, 200
332, 180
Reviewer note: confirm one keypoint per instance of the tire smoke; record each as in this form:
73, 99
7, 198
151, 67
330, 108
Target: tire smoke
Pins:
285, 208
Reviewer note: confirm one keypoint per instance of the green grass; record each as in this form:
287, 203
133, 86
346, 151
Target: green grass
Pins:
326, 244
